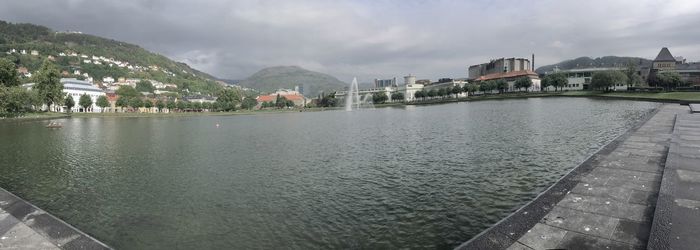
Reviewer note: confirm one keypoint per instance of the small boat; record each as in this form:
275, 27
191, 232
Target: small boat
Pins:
54, 125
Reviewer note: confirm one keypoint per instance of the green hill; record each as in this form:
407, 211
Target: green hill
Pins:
146, 65
587, 62
286, 77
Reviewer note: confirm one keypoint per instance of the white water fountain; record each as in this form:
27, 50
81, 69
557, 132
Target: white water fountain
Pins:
352, 98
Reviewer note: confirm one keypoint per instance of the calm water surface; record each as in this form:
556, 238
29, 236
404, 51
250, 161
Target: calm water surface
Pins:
409, 177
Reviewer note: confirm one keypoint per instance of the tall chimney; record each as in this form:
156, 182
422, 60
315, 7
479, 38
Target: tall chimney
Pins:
533, 62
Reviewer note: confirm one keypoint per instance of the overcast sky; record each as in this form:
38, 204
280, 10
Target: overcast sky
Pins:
375, 39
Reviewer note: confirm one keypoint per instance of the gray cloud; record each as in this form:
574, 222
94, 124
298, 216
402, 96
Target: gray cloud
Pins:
368, 39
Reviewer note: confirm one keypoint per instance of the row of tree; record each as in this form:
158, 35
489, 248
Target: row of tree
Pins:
15, 99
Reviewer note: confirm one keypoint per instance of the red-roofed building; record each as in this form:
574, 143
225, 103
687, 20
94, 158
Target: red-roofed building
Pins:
294, 96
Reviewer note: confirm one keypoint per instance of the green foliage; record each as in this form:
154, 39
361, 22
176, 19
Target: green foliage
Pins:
160, 105
603, 80
397, 96
420, 94
48, 84
136, 102
122, 101
432, 93
145, 86
633, 79
181, 105
128, 91
282, 102
249, 103
171, 105
85, 102
69, 103
501, 85
147, 104
379, 97
558, 80
456, 90
328, 101
15, 100
102, 102
47, 42
586, 62
523, 82
228, 99
669, 80
8, 74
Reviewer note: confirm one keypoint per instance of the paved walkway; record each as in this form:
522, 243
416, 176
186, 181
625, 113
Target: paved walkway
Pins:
24, 226
677, 216
612, 206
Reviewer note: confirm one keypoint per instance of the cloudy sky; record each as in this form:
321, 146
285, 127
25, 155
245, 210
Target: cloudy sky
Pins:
375, 38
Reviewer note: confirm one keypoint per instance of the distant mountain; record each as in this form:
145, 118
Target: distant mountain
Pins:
587, 62
286, 77
46, 42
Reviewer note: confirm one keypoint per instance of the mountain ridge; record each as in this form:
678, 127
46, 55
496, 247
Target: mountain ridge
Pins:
585, 62
287, 77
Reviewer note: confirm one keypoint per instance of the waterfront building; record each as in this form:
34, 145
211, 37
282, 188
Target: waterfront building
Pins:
501, 65
580, 79
511, 77
75, 89
292, 95
381, 83
666, 62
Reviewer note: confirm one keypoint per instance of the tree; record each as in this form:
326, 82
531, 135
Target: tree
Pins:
128, 92
144, 86
523, 82
15, 100
558, 80
122, 102
181, 105
207, 105
432, 93
456, 90
85, 102
501, 85
397, 96
69, 103
48, 84
379, 97
419, 94
603, 80
136, 103
669, 79
9, 77
171, 105
249, 103
160, 105
281, 101
545, 83
148, 104
102, 102
633, 79
228, 99
442, 92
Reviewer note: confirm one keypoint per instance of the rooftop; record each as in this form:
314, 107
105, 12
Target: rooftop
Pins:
664, 56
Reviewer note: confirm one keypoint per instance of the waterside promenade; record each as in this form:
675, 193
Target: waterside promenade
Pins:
610, 201
24, 226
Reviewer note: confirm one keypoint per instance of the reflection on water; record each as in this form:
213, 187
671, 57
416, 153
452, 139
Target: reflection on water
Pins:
417, 177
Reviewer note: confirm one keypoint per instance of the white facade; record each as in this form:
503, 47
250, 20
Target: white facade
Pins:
580, 79
76, 88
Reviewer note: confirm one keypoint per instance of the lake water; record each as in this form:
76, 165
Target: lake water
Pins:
401, 177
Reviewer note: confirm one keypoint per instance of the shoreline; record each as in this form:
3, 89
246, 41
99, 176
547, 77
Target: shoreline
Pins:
661, 97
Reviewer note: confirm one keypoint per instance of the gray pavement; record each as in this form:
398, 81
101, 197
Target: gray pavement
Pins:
611, 206
677, 216
24, 226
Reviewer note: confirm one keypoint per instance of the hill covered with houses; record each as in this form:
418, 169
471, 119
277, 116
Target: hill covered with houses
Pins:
97, 59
